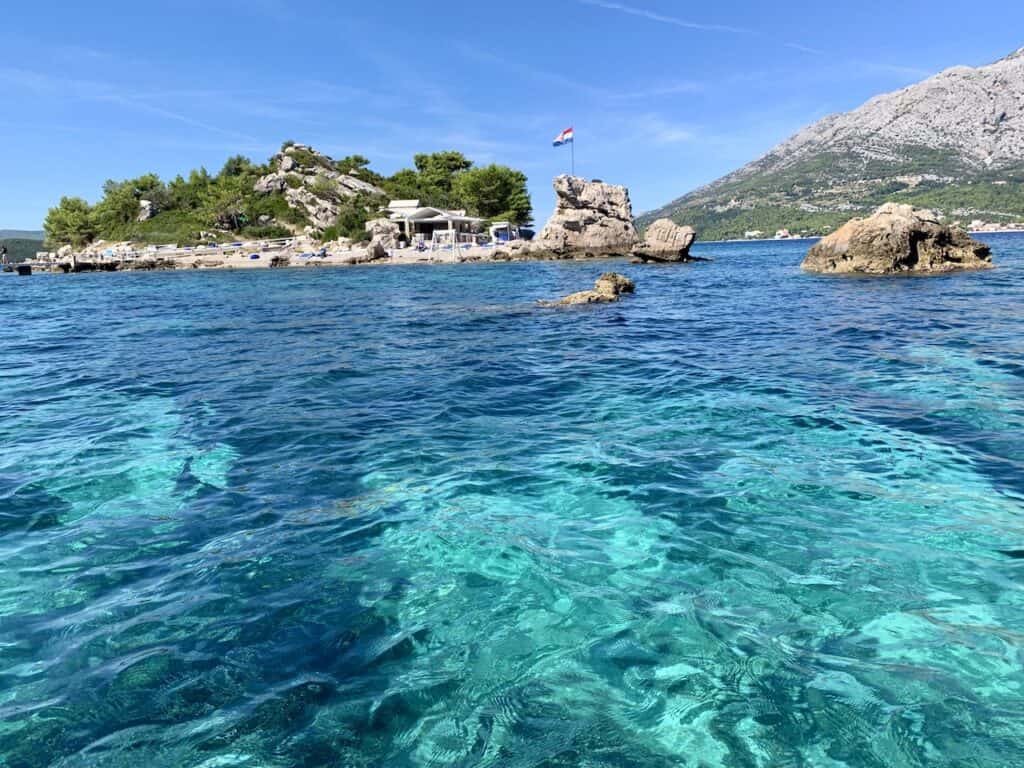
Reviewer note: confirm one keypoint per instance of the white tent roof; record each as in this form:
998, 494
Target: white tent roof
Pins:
432, 215
445, 217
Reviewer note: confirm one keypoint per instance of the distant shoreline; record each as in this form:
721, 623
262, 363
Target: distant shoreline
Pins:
818, 237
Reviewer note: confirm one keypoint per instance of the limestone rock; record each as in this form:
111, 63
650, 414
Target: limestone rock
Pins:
375, 250
665, 241
384, 231
897, 239
312, 185
147, 210
590, 216
609, 287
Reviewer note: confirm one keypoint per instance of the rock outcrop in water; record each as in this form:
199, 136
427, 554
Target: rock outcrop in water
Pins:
665, 241
590, 217
609, 287
310, 183
897, 239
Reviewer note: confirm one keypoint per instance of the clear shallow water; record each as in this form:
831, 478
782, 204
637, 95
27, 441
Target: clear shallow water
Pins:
402, 517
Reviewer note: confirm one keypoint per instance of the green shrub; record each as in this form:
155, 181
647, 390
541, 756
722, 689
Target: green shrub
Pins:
265, 232
181, 227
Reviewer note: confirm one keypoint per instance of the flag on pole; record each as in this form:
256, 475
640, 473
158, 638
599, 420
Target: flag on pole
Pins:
565, 137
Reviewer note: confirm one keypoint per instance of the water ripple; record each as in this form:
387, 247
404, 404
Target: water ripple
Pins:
748, 517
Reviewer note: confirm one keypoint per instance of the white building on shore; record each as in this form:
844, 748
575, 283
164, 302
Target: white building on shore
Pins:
420, 222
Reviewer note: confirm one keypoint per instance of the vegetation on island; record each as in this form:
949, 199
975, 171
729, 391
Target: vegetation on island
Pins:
202, 206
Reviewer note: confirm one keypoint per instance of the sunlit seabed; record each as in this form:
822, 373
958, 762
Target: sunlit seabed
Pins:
403, 517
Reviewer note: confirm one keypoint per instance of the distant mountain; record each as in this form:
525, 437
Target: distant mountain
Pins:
954, 142
21, 234
20, 249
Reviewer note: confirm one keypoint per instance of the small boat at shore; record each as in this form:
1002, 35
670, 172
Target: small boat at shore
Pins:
24, 270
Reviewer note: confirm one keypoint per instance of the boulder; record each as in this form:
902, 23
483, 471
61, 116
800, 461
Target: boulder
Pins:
897, 239
665, 241
590, 217
272, 182
375, 250
609, 287
147, 210
384, 231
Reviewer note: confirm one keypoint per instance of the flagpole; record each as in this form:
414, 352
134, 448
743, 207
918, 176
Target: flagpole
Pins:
573, 148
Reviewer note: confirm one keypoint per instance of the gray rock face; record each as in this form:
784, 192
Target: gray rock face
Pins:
963, 124
609, 287
375, 251
383, 231
897, 239
589, 217
311, 184
147, 210
665, 241
977, 112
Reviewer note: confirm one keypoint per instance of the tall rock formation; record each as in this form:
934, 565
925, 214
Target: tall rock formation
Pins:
590, 217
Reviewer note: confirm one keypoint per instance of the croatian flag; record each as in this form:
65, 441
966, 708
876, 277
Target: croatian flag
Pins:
565, 137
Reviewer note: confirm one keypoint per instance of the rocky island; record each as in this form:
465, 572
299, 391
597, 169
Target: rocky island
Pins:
897, 239
322, 215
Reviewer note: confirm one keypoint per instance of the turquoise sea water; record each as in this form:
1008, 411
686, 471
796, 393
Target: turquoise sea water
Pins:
404, 517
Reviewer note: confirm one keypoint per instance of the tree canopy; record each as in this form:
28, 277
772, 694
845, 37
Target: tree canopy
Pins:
494, 192
186, 207
450, 180
71, 222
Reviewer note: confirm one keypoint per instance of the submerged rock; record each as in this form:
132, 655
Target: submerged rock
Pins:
590, 217
897, 239
609, 287
665, 241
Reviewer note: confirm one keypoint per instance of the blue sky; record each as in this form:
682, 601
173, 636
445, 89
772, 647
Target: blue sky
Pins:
664, 95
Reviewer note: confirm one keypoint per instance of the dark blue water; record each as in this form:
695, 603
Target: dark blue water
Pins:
404, 517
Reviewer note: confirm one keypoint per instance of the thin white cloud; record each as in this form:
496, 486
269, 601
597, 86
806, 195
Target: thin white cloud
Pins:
674, 21
805, 49
102, 92
661, 18
575, 86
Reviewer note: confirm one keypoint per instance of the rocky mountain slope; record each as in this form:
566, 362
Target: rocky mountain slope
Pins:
312, 185
954, 143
